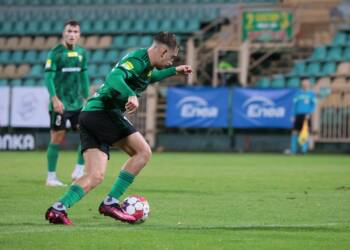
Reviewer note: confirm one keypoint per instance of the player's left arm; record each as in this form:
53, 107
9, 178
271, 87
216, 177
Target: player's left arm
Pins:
158, 75
84, 77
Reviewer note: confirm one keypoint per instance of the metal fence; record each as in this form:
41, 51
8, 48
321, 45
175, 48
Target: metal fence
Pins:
333, 115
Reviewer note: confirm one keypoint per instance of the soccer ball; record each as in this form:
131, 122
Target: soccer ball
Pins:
138, 207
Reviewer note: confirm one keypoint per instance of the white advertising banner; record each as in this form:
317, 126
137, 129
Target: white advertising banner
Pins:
4, 106
30, 107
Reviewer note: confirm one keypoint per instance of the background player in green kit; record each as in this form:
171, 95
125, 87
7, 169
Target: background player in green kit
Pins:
68, 85
102, 124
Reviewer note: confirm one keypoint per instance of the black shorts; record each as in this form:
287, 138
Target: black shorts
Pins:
102, 129
59, 121
299, 121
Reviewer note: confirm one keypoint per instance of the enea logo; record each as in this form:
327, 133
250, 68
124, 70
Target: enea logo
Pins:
262, 107
194, 106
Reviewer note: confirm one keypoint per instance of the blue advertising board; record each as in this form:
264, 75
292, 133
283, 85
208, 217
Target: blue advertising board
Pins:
262, 108
197, 107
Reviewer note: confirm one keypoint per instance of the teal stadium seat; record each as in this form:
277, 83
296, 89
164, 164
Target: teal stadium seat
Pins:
20, 27
263, 82
33, 27
7, 28
86, 27
42, 56
139, 25
92, 70
313, 69
97, 2
166, 25
31, 57
132, 41
210, 14
103, 70
112, 26
293, 82
47, 28
17, 56
152, 26
278, 81
192, 25
298, 69
319, 54
334, 54
119, 42
125, 26
3, 82
346, 54
329, 68
57, 27
98, 56
146, 41
5, 56
180, 26
339, 39
98, 26
16, 82
36, 71
112, 56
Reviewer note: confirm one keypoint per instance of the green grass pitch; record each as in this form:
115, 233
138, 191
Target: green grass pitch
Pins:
198, 201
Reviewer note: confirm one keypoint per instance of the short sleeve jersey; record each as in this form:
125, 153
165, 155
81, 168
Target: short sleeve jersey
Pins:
304, 102
137, 70
67, 65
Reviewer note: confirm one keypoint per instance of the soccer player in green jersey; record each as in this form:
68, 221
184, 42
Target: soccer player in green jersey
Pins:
67, 81
103, 124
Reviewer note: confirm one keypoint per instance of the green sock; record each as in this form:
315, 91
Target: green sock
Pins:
72, 196
80, 158
121, 184
52, 156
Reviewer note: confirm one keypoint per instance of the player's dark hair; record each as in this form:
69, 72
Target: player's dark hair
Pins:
167, 38
71, 22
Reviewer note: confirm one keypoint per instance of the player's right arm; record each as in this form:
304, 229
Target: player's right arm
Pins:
117, 80
50, 73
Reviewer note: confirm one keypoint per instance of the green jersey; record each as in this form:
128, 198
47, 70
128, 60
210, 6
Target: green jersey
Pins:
130, 77
66, 76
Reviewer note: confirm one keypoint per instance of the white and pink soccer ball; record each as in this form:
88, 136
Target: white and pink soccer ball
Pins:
138, 207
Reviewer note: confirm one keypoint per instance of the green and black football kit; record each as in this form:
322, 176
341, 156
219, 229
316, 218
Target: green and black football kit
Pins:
66, 77
102, 122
